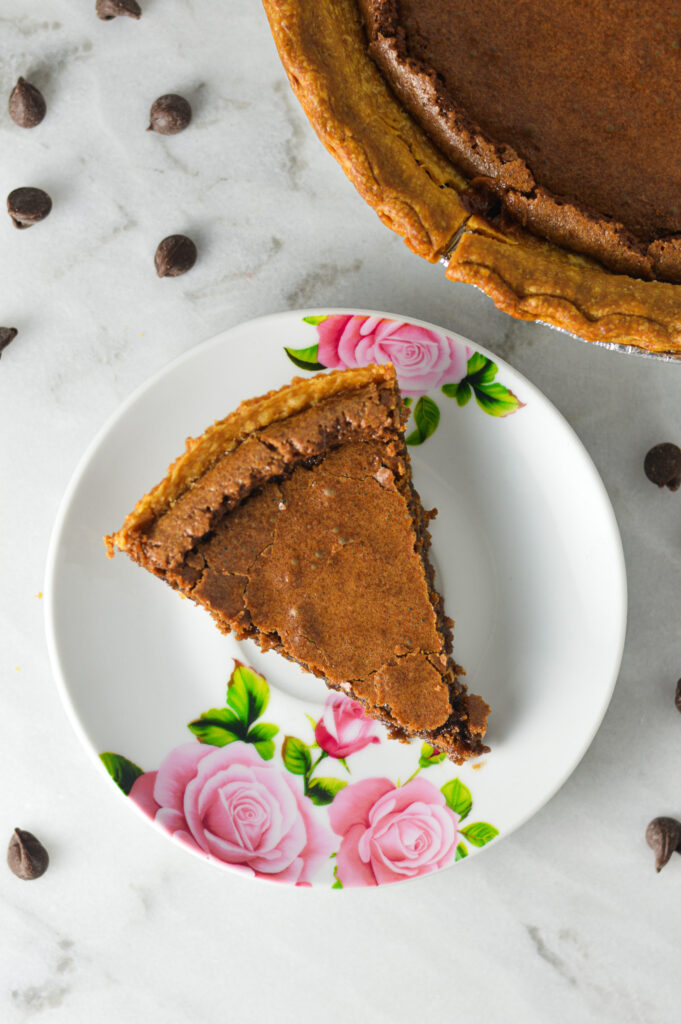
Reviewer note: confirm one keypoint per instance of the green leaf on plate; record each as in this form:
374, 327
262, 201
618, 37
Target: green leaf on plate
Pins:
480, 369
265, 749
495, 399
262, 731
337, 884
323, 790
122, 771
461, 852
219, 726
479, 833
407, 401
305, 358
461, 392
296, 756
261, 736
429, 756
426, 418
247, 693
315, 320
458, 797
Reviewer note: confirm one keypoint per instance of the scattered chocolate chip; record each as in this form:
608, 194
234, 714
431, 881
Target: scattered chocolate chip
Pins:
175, 255
663, 465
26, 104
26, 855
169, 114
108, 9
663, 836
26, 206
7, 334
677, 696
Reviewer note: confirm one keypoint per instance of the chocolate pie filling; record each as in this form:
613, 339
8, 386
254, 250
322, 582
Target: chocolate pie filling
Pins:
569, 112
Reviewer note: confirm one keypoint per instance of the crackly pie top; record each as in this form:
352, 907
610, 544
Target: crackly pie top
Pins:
571, 112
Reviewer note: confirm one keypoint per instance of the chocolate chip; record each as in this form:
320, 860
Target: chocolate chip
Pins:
108, 9
677, 696
663, 836
7, 334
26, 855
169, 114
26, 206
26, 104
175, 255
663, 465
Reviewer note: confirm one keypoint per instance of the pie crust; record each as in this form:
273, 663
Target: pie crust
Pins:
421, 196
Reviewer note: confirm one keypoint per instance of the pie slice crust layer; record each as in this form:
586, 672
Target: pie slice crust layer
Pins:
420, 195
295, 523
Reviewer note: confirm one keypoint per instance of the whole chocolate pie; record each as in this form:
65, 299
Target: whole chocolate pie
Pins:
533, 145
295, 523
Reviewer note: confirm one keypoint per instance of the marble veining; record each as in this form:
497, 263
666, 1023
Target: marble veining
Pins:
547, 954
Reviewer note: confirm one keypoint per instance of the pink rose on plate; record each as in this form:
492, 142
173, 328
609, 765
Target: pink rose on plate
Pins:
423, 359
344, 729
230, 804
391, 833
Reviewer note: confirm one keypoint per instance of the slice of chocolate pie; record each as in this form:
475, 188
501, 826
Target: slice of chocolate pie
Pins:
295, 522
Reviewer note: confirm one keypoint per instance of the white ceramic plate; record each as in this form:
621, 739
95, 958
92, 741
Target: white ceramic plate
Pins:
529, 559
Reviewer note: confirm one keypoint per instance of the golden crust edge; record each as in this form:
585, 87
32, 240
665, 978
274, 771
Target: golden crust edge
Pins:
520, 274
411, 186
224, 435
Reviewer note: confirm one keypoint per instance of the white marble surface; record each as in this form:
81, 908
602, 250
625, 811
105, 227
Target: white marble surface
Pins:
565, 920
